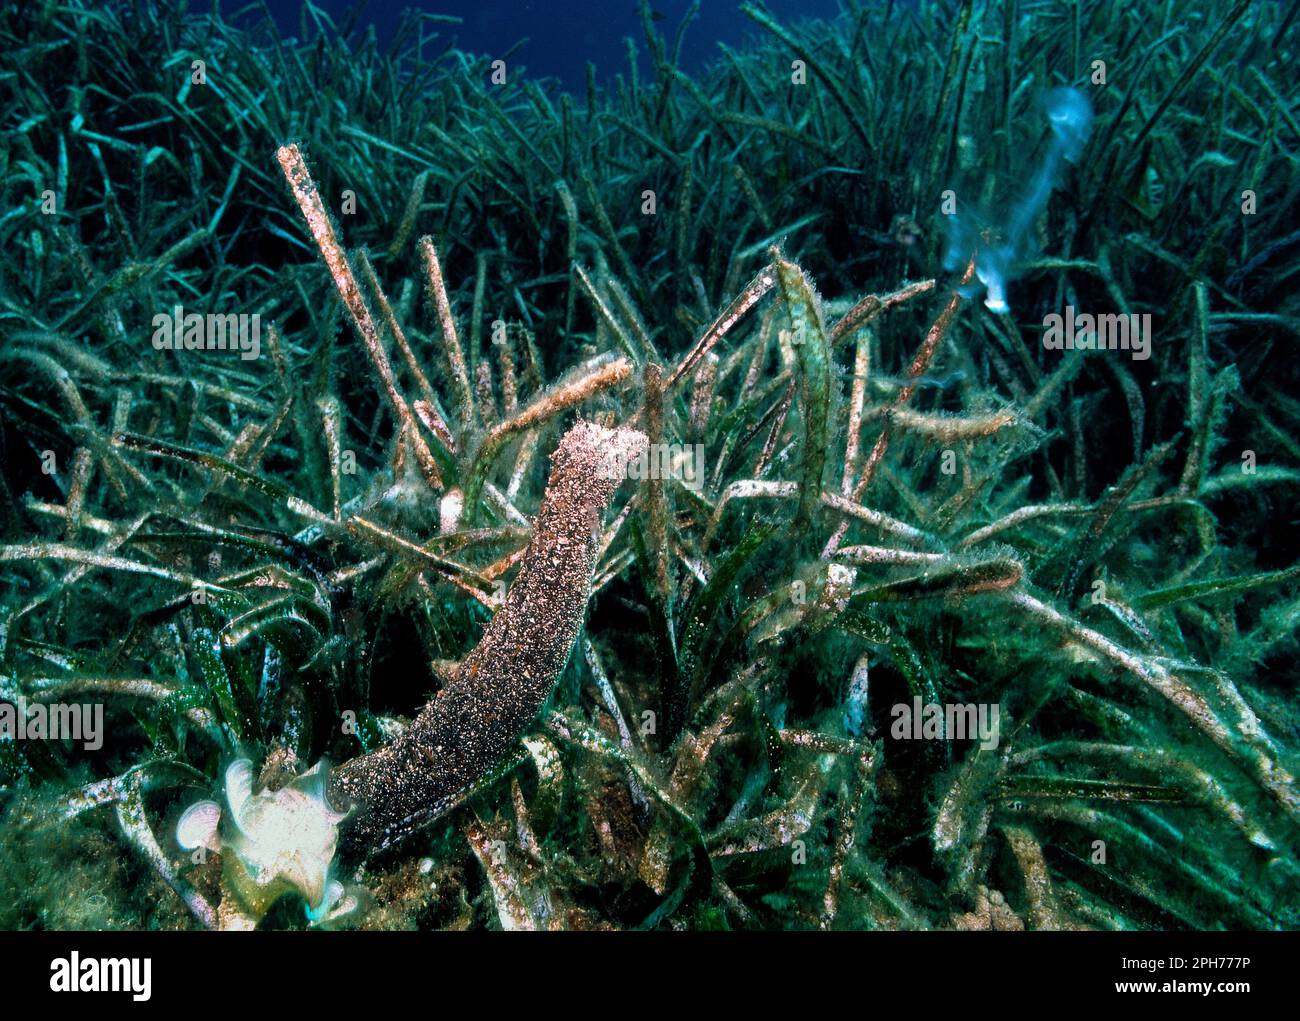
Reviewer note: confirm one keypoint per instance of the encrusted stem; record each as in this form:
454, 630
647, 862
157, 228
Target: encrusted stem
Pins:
345, 282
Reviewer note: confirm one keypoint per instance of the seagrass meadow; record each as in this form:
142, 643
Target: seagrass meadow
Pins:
656, 505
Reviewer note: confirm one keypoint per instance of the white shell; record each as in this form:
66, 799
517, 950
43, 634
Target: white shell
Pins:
281, 839
239, 788
198, 826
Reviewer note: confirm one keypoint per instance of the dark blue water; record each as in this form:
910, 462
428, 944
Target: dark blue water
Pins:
563, 35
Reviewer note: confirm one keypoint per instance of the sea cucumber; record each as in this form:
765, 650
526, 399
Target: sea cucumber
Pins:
498, 689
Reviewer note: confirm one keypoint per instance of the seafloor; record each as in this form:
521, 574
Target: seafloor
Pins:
876, 457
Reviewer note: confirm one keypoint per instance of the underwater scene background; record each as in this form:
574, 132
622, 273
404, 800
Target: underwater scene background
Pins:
707, 467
